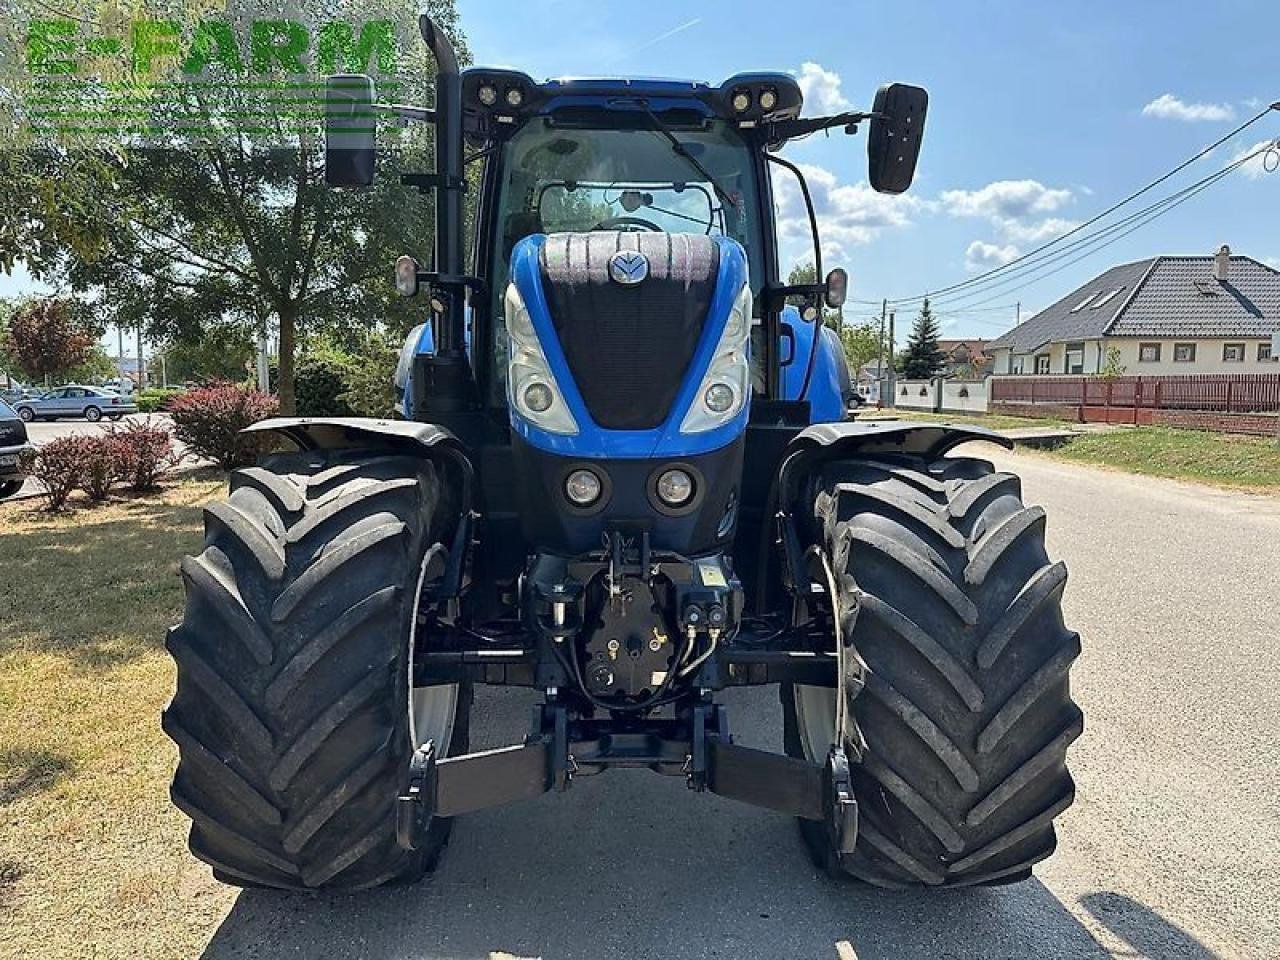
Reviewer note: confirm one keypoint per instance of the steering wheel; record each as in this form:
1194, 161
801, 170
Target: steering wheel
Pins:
635, 224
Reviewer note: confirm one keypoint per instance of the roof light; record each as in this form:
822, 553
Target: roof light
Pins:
515, 97
488, 94
768, 100
741, 101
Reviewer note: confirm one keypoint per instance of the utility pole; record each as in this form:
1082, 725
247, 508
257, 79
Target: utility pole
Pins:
893, 393
142, 368
884, 307
1017, 317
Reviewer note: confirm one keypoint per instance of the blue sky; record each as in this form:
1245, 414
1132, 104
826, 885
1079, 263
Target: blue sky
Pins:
1040, 115
1047, 98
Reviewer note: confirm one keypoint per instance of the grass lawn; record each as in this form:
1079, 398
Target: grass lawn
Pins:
1221, 459
93, 859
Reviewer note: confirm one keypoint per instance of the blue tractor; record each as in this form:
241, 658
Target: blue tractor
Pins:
624, 477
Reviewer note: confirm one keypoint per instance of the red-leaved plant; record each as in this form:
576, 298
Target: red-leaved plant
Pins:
60, 465
146, 453
105, 462
209, 420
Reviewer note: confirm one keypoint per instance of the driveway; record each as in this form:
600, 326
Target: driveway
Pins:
1169, 852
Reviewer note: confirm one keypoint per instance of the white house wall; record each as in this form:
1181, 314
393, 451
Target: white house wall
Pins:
1208, 357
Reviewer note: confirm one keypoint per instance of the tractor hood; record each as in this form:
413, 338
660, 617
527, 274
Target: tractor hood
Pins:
628, 344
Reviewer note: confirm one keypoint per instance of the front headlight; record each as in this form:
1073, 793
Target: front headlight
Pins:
531, 387
724, 390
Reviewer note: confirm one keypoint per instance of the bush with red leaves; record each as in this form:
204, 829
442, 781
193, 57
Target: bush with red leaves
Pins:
209, 420
146, 452
105, 462
61, 466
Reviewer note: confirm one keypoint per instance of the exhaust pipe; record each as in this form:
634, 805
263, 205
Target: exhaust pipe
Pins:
449, 181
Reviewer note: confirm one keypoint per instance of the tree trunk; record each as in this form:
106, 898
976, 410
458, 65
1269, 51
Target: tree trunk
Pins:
288, 319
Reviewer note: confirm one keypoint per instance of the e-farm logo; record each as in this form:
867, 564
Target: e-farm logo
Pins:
137, 79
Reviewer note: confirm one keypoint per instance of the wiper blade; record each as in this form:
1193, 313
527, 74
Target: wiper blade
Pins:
682, 151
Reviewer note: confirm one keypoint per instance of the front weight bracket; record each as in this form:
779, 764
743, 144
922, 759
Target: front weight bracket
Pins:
416, 805
842, 807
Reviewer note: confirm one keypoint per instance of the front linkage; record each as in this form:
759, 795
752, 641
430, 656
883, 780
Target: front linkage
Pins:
671, 725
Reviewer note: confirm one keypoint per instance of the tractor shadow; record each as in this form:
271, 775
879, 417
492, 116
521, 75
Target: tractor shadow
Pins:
633, 865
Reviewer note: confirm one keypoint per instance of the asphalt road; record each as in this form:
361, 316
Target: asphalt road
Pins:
1170, 851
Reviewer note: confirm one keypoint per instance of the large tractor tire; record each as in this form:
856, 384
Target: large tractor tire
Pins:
293, 707
959, 706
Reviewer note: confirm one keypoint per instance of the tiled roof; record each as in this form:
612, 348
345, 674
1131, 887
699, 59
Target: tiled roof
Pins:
1160, 297
1180, 298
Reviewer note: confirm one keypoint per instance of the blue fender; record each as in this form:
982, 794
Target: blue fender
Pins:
826, 394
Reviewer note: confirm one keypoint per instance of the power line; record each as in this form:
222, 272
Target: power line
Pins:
1182, 197
1096, 239
1105, 213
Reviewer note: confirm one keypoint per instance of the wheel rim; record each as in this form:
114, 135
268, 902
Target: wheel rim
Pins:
815, 719
432, 710
93, 415
25, 415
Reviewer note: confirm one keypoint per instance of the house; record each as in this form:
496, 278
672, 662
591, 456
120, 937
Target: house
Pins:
1164, 315
966, 359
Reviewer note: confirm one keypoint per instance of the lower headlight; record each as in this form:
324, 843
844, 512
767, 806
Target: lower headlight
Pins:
719, 397
538, 397
675, 488
582, 487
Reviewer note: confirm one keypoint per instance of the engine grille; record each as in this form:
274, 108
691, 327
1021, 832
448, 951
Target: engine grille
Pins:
629, 347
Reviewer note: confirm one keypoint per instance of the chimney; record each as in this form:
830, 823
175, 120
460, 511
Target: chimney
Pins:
1222, 264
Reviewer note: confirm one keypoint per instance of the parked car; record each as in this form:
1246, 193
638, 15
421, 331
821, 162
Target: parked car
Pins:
13, 442
14, 394
73, 400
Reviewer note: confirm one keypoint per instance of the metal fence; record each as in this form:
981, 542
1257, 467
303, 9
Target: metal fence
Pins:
1219, 392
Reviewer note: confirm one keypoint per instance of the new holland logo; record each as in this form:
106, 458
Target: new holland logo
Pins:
628, 267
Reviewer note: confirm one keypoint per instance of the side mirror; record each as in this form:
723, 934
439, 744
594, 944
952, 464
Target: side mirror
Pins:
349, 123
896, 133
837, 288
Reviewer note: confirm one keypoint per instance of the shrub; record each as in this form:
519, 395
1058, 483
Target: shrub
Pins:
60, 465
371, 389
209, 420
155, 399
105, 462
146, 452
320, 383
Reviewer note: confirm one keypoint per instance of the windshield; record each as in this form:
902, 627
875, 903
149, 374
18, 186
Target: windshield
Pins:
555, 178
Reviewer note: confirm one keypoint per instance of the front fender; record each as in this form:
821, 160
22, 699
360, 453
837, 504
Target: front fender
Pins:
888, 436
343, 433
364, 433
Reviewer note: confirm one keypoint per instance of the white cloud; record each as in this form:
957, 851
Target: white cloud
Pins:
1036, 232
1022, 212
1006, 200
1168, 107
979, 255
848, 214
821, 89
1262, 164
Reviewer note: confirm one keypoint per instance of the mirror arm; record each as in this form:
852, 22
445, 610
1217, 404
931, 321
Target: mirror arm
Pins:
776, 294
403, 111
781, 130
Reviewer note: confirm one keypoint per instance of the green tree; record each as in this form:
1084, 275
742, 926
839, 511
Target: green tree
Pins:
1113, 368
217, 352
228, 223
922, 359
